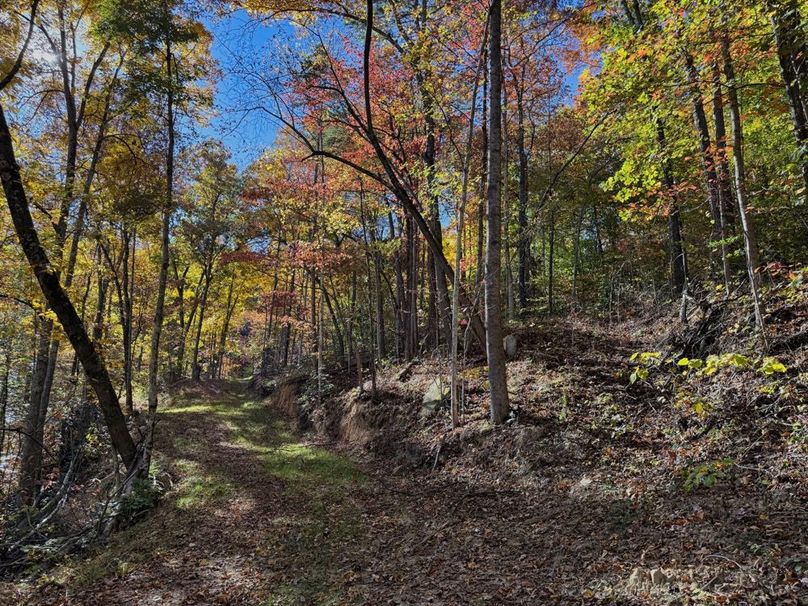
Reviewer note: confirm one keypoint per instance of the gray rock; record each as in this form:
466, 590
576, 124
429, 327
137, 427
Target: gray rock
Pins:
582, 487
658, 577
510, 345
436, 394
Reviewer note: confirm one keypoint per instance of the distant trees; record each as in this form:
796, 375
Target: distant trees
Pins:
590, 193
564, 156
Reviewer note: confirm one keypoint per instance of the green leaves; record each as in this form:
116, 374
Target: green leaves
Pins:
148, 23
646, 360
707, 474
639, 374
771, 366
705, 368
688, 364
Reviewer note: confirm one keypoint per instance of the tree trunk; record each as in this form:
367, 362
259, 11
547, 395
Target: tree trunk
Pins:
411, 329
230, 306
493, 298
58, 299
483, 176
338, 339
125, 308
551, 264
159, 311
4, 396
724, 189
711, 182
675, 245
504, 198
400, 294
791, 54
724, 179
381, 341
523, 244
750, 244
285, 332
196, 368
461, 218
31, 447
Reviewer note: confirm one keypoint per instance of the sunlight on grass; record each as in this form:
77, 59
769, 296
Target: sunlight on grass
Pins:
192, 409
254, 427
298, 463
197, 490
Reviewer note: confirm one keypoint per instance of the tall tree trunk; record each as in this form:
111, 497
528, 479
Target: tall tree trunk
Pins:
370, 339
338, 338
461, 218
750, 243
523, 244
353, 344
100, 307
411, 331
400, 293
266, 354
31, 446
724, 189
196, 368
724, 179
576, 255
483, 175
381, 342
230, 306
285, 332
504, 198
4, 395
791, 54
493, 298
165, 232
125, 309
551, 263
711, 182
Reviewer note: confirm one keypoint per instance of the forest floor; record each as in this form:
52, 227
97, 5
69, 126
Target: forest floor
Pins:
679, 489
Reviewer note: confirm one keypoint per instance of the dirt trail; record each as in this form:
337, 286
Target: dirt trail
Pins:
261, 516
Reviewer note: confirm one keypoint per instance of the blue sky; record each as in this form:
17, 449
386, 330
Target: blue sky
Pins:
238, 36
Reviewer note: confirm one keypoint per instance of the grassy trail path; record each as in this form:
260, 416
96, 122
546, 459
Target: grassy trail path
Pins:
257, 516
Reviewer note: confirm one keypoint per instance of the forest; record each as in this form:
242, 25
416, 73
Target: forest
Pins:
404, 302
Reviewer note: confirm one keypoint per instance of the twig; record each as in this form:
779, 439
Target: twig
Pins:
723, 557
